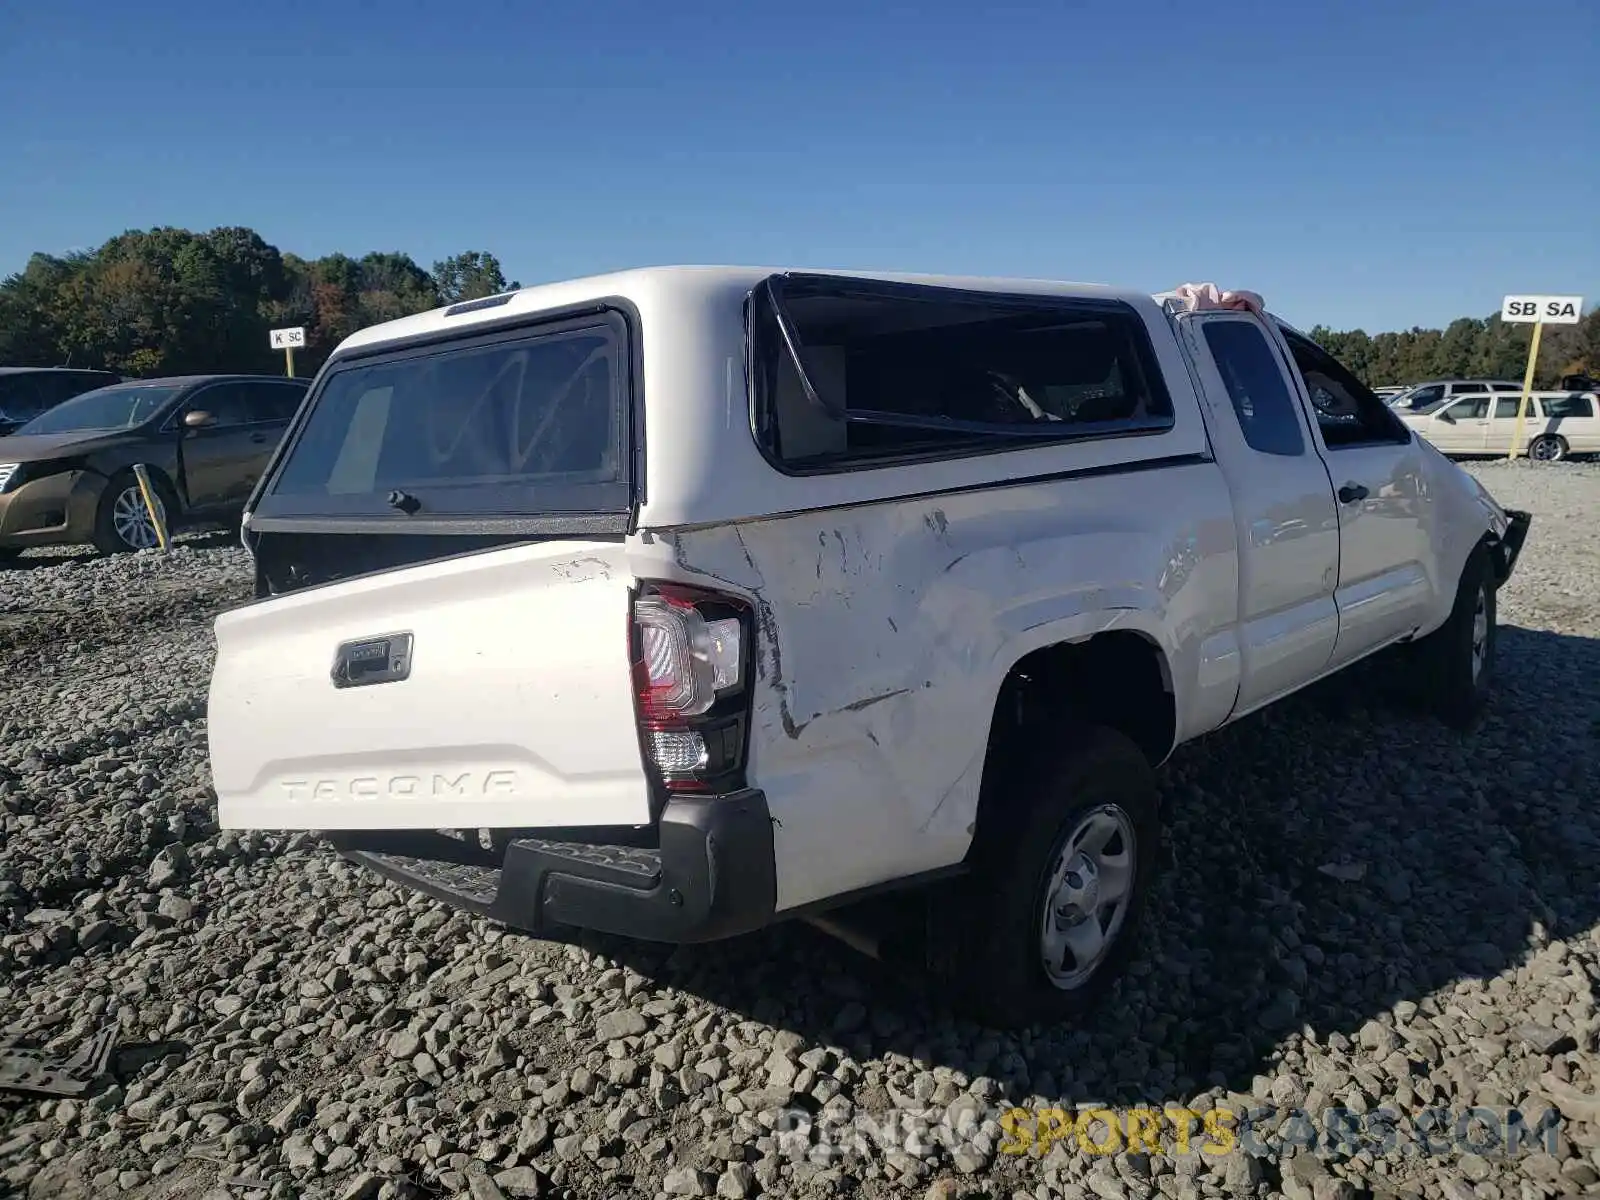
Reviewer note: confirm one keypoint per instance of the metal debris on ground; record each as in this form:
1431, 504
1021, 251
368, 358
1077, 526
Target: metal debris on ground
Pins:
240, 1181
24, 1070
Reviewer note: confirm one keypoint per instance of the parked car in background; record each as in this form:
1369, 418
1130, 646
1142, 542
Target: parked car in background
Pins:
66, 477
1555, 425
1386, 394
25, 392
1425, 397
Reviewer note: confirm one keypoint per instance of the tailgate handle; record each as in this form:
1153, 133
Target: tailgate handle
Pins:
385, 659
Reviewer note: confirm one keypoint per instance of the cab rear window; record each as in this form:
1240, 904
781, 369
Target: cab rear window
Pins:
530, 422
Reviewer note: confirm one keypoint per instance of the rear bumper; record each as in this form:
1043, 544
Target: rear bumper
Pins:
1509, 547
711, 876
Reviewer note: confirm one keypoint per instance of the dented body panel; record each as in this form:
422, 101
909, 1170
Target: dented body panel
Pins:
886, 631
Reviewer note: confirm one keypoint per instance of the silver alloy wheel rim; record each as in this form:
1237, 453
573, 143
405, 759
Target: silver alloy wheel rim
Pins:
1545, 449
1087, 896
1480, 633
132, 522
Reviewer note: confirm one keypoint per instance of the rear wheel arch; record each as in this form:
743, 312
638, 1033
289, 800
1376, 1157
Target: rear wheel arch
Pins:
1119, 679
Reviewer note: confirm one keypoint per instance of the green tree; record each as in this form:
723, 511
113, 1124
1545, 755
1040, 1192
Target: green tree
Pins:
168, 300
1470, 348
1589, 342
1457, 352
30, 331
391, 285
470, 276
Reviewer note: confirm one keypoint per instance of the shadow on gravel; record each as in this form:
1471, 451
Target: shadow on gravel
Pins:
38, 560
1469, 848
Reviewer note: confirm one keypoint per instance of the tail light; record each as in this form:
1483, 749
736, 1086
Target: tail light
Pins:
690, 651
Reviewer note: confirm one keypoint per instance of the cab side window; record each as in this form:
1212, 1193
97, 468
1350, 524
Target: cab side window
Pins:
1348, 413
1256, 386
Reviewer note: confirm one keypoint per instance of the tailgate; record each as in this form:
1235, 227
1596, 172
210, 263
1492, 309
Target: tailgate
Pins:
486, 691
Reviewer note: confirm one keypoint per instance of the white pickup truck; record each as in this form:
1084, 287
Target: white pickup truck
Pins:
675, 602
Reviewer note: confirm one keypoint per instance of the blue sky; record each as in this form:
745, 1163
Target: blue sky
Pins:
1379, 163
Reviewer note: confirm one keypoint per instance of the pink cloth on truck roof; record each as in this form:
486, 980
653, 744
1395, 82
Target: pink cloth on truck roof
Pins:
1205, 295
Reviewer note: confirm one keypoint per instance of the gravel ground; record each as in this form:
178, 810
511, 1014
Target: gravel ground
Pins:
1361, 909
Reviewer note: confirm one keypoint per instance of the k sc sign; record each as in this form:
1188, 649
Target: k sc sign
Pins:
1551, 310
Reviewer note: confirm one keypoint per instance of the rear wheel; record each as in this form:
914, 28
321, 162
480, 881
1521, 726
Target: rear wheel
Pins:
1060, 873
122, 522
1547, 447
1454, 665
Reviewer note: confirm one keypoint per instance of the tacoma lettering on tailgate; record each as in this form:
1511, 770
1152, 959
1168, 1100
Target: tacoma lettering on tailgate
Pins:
403, 787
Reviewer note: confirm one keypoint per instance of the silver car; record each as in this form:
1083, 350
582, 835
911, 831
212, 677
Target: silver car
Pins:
1425, 397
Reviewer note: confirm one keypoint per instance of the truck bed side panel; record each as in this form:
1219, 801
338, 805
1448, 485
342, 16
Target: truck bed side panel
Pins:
886, 631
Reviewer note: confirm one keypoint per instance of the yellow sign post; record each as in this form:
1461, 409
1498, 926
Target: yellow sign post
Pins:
1536, 311
1527, 389
158, 517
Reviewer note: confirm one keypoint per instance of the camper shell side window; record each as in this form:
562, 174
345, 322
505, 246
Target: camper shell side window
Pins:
848, 373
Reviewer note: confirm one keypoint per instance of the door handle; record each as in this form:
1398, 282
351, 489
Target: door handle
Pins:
258, 438
1351, 492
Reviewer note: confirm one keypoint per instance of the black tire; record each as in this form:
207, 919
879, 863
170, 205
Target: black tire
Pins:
1452, 677
106, 538
1547, 447
9, 554
1065, 779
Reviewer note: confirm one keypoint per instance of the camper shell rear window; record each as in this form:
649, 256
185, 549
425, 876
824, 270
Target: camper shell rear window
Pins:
530, 421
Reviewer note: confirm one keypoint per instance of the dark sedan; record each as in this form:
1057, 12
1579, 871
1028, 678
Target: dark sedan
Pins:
66, 477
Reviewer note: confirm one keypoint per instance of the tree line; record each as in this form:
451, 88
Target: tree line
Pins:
1468, 348
170, 301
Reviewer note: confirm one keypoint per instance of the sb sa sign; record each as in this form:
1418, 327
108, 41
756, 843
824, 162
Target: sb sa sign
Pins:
1551, 310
